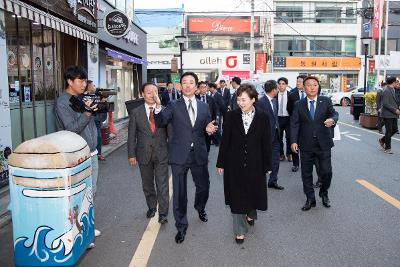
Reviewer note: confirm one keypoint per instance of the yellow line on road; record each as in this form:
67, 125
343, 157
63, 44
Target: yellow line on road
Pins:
143, 251
385, 196
365, 130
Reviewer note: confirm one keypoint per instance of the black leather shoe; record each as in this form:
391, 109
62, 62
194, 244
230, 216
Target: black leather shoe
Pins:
150, 213
203, 216
162, 220
180, 237
309, 204
275, 186
239, 240
295, 168
325, 200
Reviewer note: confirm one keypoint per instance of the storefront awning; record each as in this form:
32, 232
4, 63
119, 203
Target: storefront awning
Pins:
125, 57
26, 11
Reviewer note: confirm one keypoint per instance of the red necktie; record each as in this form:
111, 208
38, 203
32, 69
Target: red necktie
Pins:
152, 122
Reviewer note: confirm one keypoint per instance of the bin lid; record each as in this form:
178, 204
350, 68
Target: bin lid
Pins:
61, 149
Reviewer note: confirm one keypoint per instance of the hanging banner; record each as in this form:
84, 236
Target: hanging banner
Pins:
93, 63
261, 63
376, 19
5, 119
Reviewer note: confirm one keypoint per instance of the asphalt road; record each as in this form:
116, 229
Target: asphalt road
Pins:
360, 229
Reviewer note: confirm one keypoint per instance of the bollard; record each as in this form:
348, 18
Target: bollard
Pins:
51, 200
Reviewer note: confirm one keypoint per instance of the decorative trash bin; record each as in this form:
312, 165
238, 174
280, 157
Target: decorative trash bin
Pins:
51, 200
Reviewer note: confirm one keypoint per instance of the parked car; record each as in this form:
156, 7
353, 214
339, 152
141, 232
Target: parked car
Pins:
340, 98
357, 104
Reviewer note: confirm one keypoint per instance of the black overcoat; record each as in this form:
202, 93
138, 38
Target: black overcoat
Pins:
245, 158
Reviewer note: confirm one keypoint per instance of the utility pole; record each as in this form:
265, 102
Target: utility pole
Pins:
252, 55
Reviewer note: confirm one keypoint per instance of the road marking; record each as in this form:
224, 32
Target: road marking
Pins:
365, 130
352, 137
388, 198
143, 251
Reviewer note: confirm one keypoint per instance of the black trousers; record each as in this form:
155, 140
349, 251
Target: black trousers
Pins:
284, 126
390, 129
179, 183
308, 159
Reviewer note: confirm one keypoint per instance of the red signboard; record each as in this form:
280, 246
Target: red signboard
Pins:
261, 62
244, 75
222, 25
376, 19
371, 65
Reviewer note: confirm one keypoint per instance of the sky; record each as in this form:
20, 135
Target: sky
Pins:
198, 5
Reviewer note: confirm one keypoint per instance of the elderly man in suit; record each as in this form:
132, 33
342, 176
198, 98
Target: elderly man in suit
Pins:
147, 145
269, 104
311, 133
190, 120
295, 95
390, 113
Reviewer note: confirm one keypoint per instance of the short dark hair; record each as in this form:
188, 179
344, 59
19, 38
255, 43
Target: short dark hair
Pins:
168, 83
237, 80
146, 84
190, 73
390, 80
212, 85
222, 81
283, 79
249, 89
270, 85
310, 78
200, 83
302, 76
75, 72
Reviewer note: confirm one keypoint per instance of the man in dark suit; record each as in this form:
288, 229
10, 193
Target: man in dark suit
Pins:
204, 97
221, 110
190, 119
269, 104
378, 100
147, 145
225, 93
172, 92
295, 95
284, 119
236, 81
390, 114
311, 133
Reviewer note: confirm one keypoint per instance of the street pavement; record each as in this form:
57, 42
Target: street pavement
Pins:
360, 229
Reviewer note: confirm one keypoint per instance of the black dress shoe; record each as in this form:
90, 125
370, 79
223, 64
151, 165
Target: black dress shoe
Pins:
325, 200
150, 213
275, 186
162, 220
180, 237
295, 168
309, 204
203, 216
239, 240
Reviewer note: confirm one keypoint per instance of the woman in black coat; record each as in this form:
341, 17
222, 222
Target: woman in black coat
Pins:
245, 156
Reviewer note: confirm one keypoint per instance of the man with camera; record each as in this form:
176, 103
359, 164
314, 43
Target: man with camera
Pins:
75, 113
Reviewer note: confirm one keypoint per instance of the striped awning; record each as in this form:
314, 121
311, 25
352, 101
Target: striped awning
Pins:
26, 11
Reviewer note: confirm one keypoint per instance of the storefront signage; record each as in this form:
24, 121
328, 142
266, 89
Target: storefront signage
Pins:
79, 12
323, 63
376, 18
371, 66
261, 62
222, 25
132, 37
218, 60
116, 23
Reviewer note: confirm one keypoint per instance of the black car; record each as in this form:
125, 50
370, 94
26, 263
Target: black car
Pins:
356, 104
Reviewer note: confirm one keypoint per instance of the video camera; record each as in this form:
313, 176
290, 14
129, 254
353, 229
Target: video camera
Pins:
78, 102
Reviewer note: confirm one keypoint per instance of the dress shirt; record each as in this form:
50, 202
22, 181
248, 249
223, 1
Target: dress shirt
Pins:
147, 107
205, 98
270, 101
283, 95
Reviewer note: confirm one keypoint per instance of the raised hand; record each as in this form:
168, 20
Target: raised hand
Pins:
157, 98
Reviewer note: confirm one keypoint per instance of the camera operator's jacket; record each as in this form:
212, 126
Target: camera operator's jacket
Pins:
79, 123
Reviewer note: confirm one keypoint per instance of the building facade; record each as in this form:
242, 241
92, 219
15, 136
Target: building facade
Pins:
320, 38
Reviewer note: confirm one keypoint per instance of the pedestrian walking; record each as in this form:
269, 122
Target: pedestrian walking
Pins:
311, 122
378, 101
269, 104
236, 81
225, 92
284, 119
189, 118
390, 114
244, 158
221, 110
147, 146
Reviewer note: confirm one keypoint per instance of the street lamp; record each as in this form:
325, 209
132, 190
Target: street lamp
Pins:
181, 41
366, 42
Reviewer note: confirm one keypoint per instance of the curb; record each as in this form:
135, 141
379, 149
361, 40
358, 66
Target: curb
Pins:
5, 218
